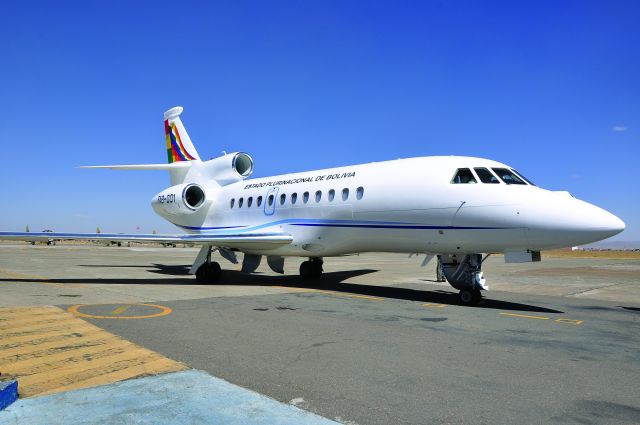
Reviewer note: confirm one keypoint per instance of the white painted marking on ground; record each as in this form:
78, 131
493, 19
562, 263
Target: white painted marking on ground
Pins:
344, 421
298, 401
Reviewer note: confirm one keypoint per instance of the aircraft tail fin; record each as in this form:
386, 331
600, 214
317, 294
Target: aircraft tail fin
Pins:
180, 150
179, 145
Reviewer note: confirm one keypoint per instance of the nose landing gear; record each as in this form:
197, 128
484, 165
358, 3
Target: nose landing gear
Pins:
469, 297
466, 276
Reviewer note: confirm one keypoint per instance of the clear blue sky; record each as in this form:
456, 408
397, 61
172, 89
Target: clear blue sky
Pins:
551, 88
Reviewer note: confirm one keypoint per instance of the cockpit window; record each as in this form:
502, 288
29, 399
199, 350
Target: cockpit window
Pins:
463, 175
486, 176
508, 176
523, 177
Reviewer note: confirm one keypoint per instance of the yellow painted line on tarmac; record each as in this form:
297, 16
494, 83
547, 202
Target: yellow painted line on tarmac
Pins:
324, 291
50, 342
75, 310
289, 288
121, 309
569, 321
432, 305
52, 334
20, 323
350, 295
524, 316
153, 367
64, 285
44, 350
50, 350
562, 320
17, 275
19, 311
34, 364
38, 279
36, 329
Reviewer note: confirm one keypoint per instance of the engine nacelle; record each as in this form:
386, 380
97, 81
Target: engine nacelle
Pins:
182, 199
229, 168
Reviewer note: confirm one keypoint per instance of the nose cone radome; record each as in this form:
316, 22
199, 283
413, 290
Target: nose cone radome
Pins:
611, 224
596, 223
566, 221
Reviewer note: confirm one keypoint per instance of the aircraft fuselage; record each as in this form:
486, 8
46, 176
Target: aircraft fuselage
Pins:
405, 205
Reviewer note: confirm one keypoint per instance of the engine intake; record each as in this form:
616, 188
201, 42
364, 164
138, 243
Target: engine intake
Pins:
243, 164
193, 196
229, 168
181, 200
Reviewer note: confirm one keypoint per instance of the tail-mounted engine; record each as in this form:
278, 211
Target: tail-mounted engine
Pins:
182, 199
229, 168
188, 199
193, 196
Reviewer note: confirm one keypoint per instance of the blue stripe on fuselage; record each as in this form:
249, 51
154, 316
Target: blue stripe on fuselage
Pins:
341, 223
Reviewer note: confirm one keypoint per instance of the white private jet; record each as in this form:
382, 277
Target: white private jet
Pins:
456, 208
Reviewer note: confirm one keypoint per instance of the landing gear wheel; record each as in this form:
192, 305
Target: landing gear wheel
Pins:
469, 297
311, 269
306, 270
209, 273
316, 267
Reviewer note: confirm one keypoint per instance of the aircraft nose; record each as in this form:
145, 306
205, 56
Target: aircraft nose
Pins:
609, 224
561, 220
594, 222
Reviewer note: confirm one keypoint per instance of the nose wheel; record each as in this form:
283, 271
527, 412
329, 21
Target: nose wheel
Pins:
470, 297
465, 274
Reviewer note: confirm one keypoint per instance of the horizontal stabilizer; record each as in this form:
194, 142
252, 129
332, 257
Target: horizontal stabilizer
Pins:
169, 167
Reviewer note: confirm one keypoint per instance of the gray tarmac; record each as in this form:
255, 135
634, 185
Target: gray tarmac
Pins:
376, 341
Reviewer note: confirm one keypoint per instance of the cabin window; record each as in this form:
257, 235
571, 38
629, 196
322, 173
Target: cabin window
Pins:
294, 198
345, 194
232, 203
318, 196
259, 201
249, 201
305, 197
332, 194
508, 176
359, 193
462, 176
283, 199
486, 176
523, 177
270, 200
240, 201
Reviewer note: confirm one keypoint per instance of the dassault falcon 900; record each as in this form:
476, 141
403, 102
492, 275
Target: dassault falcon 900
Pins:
456, 208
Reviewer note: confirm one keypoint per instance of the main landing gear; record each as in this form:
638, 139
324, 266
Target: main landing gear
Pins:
209, 271
465, 275
312, 268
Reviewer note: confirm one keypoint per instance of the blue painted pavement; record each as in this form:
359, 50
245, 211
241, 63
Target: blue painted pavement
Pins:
8, 393
190, 397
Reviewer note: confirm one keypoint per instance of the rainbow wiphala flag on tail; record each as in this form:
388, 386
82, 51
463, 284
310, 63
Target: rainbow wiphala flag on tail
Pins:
175, 149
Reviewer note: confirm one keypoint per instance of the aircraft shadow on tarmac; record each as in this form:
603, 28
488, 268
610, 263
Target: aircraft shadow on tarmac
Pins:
171, 270
631, 308
331, 281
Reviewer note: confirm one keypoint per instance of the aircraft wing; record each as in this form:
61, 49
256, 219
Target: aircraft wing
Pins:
238, 240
